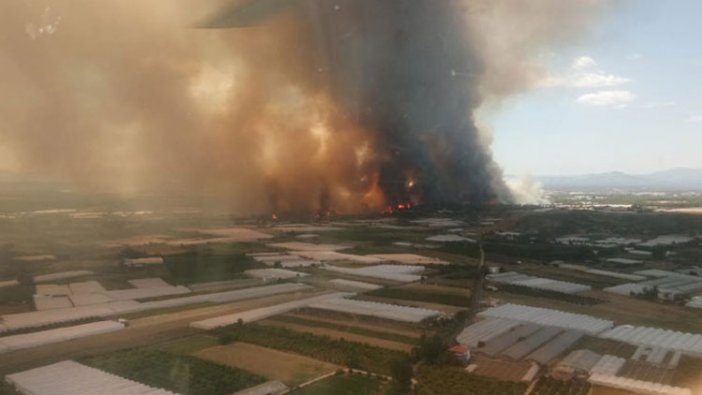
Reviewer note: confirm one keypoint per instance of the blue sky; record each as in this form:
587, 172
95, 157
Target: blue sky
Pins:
628, 97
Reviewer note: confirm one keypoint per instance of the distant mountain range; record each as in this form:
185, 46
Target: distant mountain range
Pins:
664, 181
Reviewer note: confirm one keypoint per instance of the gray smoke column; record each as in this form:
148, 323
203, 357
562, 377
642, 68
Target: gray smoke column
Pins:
409, 74
310, 104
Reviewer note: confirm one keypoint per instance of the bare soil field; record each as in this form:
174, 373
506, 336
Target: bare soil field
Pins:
272, 364
334, 334
499, 368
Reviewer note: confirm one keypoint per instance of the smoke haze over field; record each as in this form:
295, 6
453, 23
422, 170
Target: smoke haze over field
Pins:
348, 104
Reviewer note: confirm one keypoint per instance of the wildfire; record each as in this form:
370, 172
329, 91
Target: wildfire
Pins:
390, 209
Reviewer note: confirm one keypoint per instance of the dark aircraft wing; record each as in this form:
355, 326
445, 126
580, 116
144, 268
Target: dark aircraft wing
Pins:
250, 13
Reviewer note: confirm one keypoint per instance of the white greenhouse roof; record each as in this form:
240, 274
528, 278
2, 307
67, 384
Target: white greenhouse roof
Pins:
688, 343
52, 289
485, 330
152, 282
608, 365
155, 260
29, 340
666, 240
8, 283
354, 285
262, 313
41, 318
625, 261
555, 347
72, 378
43, 302
524, 280
86, 287
695, 302
537, 315
374, 309
387, 272
62, 275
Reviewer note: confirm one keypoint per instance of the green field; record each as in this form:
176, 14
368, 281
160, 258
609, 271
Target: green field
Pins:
178, 373
211, 263
186, 345
347, 328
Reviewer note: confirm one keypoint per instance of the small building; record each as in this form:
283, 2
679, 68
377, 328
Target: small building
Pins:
141, 262
461, 352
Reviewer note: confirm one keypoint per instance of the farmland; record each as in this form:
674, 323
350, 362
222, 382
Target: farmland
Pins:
183, 374
364, 337
324, 348
289, 368
367, 327
386, 335
452, 381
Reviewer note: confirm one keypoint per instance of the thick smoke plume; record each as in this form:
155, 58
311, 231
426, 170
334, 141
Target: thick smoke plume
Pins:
316, 104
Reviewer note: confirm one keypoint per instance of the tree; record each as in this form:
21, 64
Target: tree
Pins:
225, 338
430, 349
353, 361
401, 371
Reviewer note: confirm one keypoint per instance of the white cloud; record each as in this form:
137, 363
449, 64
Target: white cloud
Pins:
597, 80
695, 119
582, 75
583, 63
585, 80
617, 99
